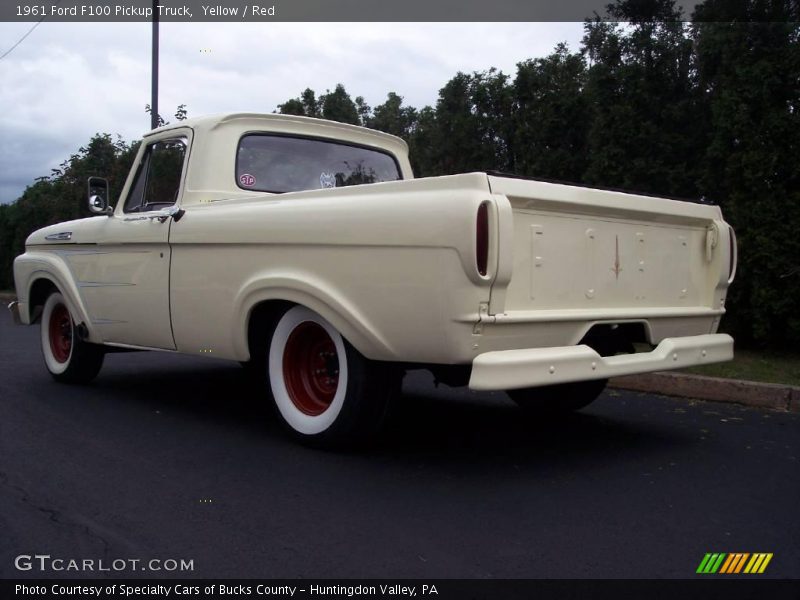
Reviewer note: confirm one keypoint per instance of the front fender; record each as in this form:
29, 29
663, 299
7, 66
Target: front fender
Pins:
34, 266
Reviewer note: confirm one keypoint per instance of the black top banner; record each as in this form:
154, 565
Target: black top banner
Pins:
310, 10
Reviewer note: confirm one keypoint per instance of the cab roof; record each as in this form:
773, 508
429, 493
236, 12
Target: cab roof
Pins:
290, 124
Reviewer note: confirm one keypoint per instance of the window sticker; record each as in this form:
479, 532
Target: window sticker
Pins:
327, 180
247, 180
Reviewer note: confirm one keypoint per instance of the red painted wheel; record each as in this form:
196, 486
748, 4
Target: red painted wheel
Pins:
325, 392
68, 357
60, 333
311, 368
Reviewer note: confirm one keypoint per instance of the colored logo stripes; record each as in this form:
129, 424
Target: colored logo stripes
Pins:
736, 562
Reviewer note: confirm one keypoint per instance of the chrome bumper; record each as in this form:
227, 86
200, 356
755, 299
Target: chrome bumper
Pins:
514, 369
13, 308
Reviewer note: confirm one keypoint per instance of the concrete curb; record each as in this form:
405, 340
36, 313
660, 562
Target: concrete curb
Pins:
750, 393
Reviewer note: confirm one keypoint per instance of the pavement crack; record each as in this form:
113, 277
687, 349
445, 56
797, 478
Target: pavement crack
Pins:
53, 515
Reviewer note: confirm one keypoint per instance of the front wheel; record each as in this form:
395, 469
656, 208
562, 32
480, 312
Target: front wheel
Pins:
68, 358
558, 399
325, 392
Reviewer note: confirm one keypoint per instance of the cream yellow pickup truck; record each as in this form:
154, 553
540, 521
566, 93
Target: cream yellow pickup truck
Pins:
306, 250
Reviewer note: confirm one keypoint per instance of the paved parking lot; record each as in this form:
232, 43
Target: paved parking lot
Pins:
171, 457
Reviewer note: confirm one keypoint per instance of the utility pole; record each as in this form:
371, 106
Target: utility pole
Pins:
154, 71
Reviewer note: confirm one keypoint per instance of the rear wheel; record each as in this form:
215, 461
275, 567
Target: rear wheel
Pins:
325, 392
558, 399
68, 358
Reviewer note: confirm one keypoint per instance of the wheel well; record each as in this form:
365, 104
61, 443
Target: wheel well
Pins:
262, 315
40, 290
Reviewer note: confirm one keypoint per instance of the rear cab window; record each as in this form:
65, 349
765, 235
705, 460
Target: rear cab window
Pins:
281, 163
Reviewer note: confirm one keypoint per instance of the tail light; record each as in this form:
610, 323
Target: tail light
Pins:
482, 239
734, 255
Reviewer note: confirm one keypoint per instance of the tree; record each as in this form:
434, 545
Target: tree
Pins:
62, 195
470, 130
424, 144
493, 104
551, 117
749, 66
181, 114
311, 105
338, 106
363, 110
394, 118
306, 105
647, 119
149, 110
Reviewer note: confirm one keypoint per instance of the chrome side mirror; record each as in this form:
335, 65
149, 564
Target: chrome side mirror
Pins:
97, 204
98, 196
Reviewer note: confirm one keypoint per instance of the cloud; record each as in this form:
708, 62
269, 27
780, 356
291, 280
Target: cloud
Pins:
68, 81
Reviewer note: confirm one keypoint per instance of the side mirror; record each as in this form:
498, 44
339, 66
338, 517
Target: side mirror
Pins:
98, 196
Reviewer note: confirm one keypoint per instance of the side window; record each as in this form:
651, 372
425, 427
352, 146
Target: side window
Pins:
158, 178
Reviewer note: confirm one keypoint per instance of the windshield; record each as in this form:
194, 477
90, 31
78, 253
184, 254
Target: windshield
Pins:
272, 163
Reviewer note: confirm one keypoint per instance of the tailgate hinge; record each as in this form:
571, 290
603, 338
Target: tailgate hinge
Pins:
483, 317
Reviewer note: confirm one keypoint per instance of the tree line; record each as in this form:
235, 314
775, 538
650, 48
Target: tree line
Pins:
707, 109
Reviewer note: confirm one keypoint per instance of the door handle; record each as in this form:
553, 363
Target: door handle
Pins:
162, 215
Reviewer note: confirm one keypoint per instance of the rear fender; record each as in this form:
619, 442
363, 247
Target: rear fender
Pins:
320, 297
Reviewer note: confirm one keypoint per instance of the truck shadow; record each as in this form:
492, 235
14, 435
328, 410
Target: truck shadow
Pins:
439, 423
489, 426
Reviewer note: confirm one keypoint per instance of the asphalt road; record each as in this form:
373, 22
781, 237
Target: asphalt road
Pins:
168, 456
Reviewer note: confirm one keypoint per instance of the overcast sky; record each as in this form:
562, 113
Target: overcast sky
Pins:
67, 81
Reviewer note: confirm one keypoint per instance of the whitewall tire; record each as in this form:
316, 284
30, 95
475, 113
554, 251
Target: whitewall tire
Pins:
67, 357
324, 391
307, 371
58, 334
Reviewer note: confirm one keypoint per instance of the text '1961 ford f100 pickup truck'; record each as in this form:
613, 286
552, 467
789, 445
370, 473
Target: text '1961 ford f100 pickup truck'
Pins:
306, 250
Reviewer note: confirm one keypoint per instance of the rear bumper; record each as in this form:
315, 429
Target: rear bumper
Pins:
513, 369
13, 308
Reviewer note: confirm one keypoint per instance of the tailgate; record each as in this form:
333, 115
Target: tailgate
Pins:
581, 249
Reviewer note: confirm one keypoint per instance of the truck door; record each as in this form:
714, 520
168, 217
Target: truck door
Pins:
125, 281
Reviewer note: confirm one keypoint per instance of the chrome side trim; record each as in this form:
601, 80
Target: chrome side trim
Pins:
135, 347
63, 236
84, 284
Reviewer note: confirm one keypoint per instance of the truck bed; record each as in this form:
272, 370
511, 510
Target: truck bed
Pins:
578, 252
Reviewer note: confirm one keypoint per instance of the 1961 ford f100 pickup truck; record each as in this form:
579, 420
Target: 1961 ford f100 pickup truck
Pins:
306, 250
